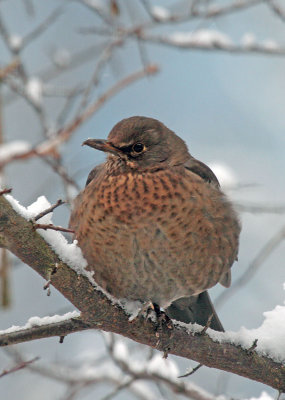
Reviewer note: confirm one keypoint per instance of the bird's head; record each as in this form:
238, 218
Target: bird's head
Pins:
143, 143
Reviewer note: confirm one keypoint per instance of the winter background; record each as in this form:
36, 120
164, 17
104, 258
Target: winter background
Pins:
228, 107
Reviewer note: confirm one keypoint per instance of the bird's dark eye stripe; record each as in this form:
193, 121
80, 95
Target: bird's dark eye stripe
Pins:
125, 149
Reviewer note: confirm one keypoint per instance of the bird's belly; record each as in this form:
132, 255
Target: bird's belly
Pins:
157, 237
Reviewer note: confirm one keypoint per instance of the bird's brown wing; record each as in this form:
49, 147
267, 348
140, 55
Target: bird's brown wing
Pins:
95, 173
202, 170
199, 308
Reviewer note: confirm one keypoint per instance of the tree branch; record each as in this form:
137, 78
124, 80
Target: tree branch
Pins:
62, 328
98, 312
17, 367
64, 134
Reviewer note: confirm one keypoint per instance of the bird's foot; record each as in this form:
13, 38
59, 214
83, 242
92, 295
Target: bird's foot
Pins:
162, 320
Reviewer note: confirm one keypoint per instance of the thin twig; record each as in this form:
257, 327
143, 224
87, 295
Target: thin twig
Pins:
5, 191
203, 332
44, 25
53, 227
256, 263
252, 347
63, 135
193, 370
50, 209
8, 69
17, 367
277, 10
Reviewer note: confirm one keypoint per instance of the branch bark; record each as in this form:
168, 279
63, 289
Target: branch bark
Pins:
98, 312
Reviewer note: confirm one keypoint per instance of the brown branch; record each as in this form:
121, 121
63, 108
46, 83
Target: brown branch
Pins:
277, 10
53, 227
5, 191
193, 370
48, 146
5, 71
21, 365
98, 312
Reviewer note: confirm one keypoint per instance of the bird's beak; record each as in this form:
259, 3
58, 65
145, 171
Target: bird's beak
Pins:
101, 145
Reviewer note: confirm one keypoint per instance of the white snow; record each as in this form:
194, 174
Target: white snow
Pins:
14, 148
121, 351
15, 42
270, 44
200, 38
263, 396
160, 13
97, 4
37, 321
270, 335
248, 40
132, 308
225, 174
34, 90
69, 253
164, 367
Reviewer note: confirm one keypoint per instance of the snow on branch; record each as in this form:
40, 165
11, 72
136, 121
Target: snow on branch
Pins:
210, 39
37, 321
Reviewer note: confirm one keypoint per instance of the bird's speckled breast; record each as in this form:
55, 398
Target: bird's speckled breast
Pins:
156, 235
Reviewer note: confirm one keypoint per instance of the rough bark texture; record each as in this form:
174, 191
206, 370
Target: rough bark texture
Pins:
97, 312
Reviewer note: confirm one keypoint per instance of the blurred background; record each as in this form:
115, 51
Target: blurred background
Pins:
219, 84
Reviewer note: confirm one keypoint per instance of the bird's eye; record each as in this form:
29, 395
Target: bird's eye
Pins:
138, 148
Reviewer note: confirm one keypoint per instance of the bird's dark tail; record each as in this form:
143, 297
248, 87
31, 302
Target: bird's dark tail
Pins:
195, 309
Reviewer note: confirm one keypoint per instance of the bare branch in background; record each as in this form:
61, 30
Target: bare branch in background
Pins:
253, 267
9, 69
260, 209
44, 25
63, 135
277, 9
19, 366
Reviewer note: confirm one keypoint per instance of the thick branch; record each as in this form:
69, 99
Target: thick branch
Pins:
98, 312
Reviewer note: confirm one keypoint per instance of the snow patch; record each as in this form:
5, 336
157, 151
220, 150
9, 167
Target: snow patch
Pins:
270, 45
160, 13
34, 90
263, 396
164, 367
15, 42
248, 40
14, 148
132, 308
270, 335
69, 253
37, 321
200, 38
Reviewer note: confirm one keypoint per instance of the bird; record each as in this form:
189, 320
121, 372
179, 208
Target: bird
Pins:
153, 223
